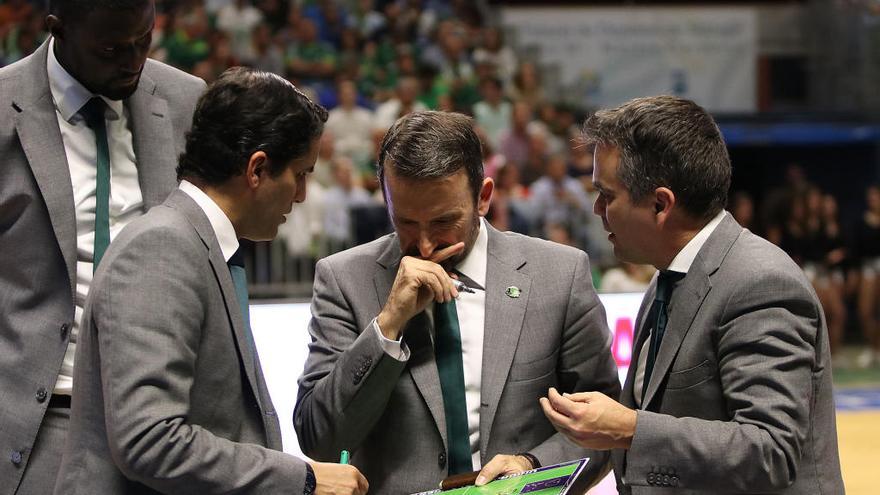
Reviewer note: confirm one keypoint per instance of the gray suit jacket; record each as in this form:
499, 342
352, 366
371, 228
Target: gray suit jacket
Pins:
389, 414
38, 230
168, 392
740, 399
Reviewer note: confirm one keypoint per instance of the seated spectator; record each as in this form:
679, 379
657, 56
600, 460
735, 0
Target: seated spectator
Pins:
311, 61
492, 50
513, 143
368, 21
238, 20
341, 197
560, 203
351, 126
185, 42
330, 20
264, 54
493, 113
509, 209
527, 85
404, 103
219, 59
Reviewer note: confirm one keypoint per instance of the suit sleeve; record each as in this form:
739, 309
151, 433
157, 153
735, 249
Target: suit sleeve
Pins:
149, 323
766, 341
348, 378
585, 364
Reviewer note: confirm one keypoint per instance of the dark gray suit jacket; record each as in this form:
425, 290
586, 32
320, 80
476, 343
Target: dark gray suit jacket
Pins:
38, 230
389, 414
740, 400
168, 392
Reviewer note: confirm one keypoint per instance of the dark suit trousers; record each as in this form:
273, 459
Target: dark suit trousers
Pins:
39, 477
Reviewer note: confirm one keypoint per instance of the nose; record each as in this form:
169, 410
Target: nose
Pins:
426, 245
299, 194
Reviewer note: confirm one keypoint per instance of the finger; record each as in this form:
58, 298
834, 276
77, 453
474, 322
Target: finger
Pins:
561, 404
491, 470
449, 290
363, 484
558, 420
437, 282
447, 252
586, 397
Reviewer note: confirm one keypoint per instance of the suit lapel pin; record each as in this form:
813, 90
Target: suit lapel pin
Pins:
512, 292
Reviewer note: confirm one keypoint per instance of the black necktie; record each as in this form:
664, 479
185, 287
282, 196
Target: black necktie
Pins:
447, 351
665, 283
239, 280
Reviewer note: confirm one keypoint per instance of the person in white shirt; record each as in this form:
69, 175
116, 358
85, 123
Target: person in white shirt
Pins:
421, 378
89, 139
351, 125
169, 396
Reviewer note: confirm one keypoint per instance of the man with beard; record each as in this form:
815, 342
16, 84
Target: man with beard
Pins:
90, 130
432, 345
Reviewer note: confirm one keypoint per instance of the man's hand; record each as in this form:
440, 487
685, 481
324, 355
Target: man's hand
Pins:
338, 479
503, 465
418, 282
590, 419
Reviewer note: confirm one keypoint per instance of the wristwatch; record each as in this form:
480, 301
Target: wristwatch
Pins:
311, 482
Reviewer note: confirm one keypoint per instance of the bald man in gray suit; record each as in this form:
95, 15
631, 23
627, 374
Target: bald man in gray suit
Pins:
49, 202
730, 387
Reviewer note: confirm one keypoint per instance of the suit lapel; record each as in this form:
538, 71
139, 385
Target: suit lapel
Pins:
182, 202
422, 366
626, 396
689, 296
503, 323
152, 134
37, 128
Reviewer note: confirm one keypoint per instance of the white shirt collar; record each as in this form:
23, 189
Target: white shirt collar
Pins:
68, 94
221, 224
474, 264
685, 258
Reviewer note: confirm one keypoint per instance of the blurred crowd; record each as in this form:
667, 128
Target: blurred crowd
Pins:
372, 61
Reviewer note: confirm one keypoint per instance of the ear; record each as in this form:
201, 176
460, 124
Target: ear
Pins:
257, 170
485, 198
664, 202
55, 26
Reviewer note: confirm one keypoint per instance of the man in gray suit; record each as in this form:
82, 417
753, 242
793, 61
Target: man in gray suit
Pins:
59, 207
730, 387
168, 392
421, 377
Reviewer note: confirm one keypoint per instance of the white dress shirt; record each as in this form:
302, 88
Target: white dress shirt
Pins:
220, 223
681, 264
471, 309
126, 202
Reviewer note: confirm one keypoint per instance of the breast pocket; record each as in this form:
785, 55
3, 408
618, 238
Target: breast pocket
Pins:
540, 368
690, 377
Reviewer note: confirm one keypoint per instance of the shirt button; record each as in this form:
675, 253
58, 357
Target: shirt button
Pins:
441, 460
15, 457
41, 395
65, 330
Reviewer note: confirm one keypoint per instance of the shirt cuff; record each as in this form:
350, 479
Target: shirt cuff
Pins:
394, 348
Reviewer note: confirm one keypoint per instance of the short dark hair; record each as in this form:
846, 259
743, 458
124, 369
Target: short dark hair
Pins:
432, 145
78, 9
245, 111
666, 141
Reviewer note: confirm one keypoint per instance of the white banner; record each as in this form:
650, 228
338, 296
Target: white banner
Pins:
609, 55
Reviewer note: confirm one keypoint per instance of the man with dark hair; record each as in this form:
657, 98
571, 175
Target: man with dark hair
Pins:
422, 376
168, 392
90, 130
730, 386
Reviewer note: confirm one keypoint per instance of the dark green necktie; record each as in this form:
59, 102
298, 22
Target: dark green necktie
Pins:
239, 280
451, 369
665, 283
93, 113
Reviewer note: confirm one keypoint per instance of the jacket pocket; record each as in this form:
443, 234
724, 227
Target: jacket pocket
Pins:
691, 376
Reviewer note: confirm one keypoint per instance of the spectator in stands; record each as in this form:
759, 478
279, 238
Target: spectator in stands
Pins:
868, 244
311, 61
264, 54
510, 209
526, 85
493, 113
330, 20
826, 261
366, 19
343, 195
742, 207
238, 20
219, 59
351, 126
493, 50
514, 143
559, 202
405, 102
185, 42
